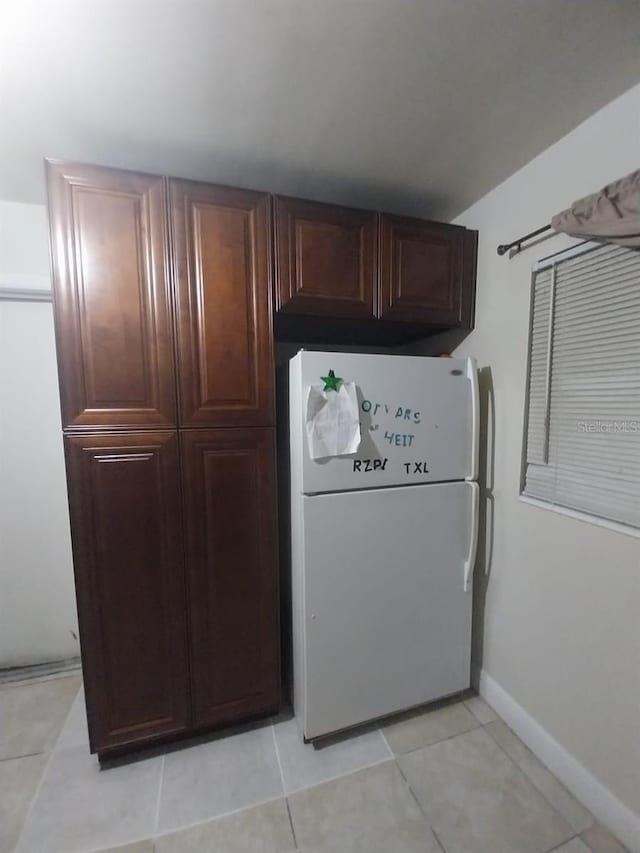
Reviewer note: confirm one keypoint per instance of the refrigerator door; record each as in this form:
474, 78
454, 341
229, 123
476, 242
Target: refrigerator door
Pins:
385, 620
418, 420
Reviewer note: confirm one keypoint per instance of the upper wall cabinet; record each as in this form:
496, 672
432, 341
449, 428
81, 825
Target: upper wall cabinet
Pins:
222, 258
427, 271
356, 276
326, 259
109, 253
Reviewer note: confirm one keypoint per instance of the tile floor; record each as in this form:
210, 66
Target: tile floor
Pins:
454, 778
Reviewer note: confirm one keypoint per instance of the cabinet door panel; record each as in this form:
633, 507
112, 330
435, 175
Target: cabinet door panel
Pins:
111, 297
229, 499
223, 276
424, 271
126, 519
326, 259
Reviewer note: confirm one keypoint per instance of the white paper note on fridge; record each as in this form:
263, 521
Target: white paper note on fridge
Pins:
332, 421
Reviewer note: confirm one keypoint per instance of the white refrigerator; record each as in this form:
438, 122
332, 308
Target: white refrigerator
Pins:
383, 540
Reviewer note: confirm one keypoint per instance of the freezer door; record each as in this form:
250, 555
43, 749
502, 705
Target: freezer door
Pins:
386, 618
418, 417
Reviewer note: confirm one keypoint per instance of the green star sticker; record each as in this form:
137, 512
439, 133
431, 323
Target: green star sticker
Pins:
331, 381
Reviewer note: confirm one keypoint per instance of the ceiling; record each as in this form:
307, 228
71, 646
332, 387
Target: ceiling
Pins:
415, 106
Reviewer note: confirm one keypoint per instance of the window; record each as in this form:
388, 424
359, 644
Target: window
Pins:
582, 430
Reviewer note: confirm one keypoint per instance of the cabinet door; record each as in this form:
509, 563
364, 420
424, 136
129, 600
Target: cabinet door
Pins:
223, 277
326, 259
427, 271
111, 297
230, 522
126, 519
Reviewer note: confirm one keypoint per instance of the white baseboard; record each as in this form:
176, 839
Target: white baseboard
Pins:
608, 809
39, 671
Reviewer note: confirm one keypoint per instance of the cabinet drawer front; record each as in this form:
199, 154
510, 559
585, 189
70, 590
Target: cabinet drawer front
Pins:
223, 278
326, 259
111, 297
126, 520
229, 495
422, 271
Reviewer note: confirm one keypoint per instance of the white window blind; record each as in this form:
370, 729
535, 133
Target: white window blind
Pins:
583, 405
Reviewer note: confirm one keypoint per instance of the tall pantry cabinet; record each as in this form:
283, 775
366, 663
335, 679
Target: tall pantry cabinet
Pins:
165, 352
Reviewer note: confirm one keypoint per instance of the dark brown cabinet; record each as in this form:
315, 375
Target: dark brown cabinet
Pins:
124, 501
112, 298
426, 271
326, 259
229, 488
222, 261
163, 312
343, 274
163, 323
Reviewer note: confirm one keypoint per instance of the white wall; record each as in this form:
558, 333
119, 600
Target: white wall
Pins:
38, 619
561, 630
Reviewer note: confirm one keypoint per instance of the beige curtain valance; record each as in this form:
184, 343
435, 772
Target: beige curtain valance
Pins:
609, 216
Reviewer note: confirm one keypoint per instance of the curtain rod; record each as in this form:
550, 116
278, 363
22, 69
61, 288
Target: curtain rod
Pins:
503, 248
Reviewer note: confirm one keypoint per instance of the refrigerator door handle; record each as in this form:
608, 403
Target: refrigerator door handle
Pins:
469, 563
472, 373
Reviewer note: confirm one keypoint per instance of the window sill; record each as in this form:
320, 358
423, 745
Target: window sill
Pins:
583, 516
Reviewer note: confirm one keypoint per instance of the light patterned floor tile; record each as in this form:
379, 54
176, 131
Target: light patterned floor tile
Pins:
304, 764
31, 715
216, 776
262, 829
81, 807
481, 711
74, 732
600, 840
475, 801
371, 811
415, 730
19, 779
554, 791
478, 801
573, 846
